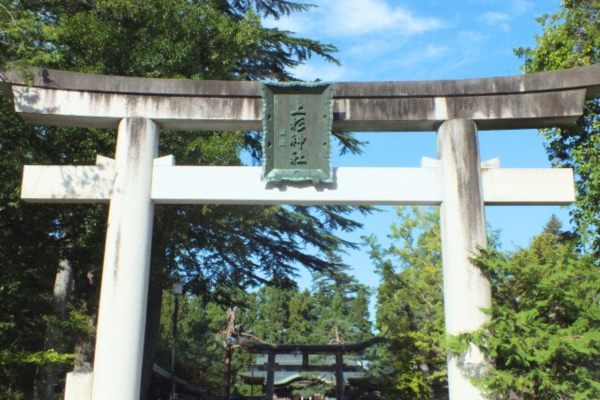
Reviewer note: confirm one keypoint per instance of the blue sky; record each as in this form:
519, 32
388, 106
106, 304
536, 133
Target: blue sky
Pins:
381, 40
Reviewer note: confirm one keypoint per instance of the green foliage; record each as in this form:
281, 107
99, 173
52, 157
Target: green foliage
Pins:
268, 8
544, 336
199, 40
25, 38
198, 352
339, 307
270, 314
37, 358
571, 38
410, 306
300, 322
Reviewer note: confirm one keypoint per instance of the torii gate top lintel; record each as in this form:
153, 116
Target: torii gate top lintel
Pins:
511, 102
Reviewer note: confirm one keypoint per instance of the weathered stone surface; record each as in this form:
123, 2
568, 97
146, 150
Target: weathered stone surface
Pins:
79, 386
463, 231
514, 102
126, 269
575, 78
74, 184
75, 81
587, 77
490, 112
105, 110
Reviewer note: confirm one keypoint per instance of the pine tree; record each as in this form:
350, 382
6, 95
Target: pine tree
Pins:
334, 292
571, 38
410, 307
544, 335
301, 322
272, 314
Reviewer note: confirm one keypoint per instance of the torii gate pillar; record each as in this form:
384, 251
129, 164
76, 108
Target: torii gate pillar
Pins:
463, 231
126, 269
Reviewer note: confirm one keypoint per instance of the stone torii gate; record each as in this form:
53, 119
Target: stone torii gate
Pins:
137, 180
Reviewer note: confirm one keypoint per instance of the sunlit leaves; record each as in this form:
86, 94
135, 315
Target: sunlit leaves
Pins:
410, 305
544, 336
571, 38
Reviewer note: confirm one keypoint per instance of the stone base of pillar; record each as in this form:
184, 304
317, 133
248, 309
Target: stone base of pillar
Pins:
79, 386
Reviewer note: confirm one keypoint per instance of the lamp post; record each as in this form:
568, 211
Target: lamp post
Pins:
177, 291
227, 381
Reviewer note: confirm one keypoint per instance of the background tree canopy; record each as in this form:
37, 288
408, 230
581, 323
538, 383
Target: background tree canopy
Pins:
571, 38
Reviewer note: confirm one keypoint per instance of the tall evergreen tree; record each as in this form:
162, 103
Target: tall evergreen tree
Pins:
358, 317
272, 314
410, 311
301, 322
571, 38
544, 333
334, 293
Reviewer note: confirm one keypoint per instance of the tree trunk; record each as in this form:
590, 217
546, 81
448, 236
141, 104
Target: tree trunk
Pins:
47, 375
152, 325
85, 342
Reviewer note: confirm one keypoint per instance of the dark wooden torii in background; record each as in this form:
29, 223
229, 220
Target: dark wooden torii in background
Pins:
339, 350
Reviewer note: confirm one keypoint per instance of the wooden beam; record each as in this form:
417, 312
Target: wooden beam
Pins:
284, 348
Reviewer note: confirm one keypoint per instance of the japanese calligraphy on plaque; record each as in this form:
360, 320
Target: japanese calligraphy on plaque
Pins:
297, 119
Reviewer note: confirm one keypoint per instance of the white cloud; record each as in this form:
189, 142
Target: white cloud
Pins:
502, 20
344, 18
422, 55
521, 6
375, 47
471, 37
359, 17
493, 18
497, 19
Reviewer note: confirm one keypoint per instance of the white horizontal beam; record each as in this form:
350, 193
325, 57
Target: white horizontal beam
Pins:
67, 184
243, 185
545, 186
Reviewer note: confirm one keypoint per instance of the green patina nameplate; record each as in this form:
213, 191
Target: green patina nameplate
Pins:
297, 120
